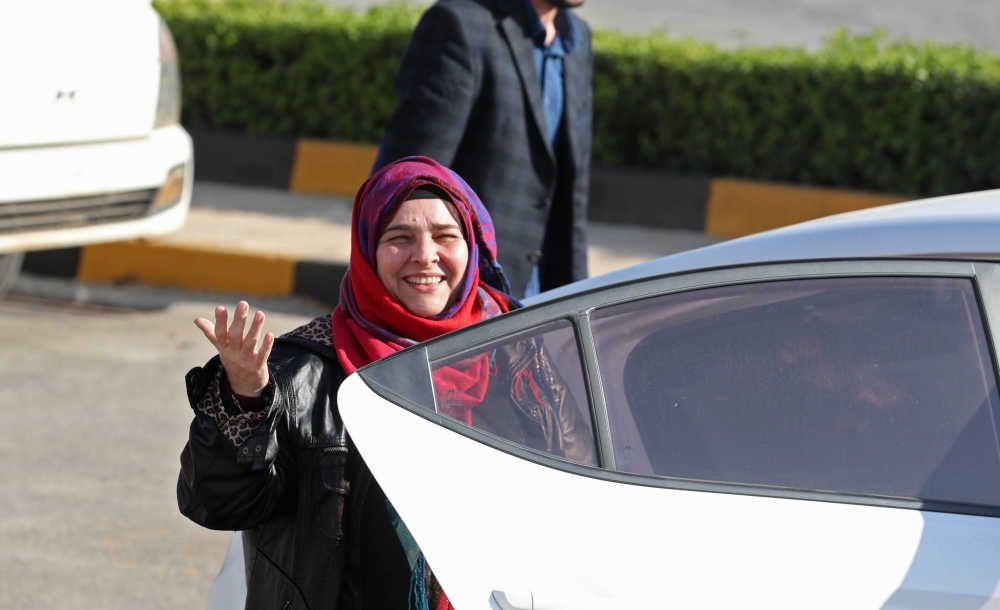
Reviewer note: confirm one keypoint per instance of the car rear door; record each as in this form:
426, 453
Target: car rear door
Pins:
77, 71
785, 436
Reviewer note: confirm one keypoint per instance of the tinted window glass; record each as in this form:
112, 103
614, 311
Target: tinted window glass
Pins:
527, 389
872, 385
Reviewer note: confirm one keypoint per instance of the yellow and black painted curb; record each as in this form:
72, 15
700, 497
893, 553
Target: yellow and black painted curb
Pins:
721, 206
198, 267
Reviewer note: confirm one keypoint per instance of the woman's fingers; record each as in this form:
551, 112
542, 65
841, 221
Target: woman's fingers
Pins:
239, 324
221, 319
208, 329
253, 335
247, 368
265, 350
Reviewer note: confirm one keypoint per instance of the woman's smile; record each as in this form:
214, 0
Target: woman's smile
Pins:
424, 281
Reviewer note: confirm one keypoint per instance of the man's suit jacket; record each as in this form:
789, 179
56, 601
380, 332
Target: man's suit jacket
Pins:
469, 96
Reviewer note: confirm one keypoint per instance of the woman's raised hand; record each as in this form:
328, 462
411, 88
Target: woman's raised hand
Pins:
246, 366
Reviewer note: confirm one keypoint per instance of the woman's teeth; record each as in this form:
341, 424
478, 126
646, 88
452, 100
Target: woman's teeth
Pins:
424, 280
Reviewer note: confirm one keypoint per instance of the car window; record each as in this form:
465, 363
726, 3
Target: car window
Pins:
871, 385
527, 389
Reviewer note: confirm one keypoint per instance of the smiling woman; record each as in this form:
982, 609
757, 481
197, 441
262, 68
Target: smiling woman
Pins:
268, 452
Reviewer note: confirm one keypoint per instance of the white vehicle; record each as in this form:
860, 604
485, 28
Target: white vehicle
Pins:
805, 418
91, 148
801, 418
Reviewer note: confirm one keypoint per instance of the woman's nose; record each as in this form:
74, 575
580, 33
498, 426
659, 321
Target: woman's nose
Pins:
426, 251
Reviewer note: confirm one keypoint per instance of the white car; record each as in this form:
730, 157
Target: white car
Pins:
806, 418
91, 148
801, 418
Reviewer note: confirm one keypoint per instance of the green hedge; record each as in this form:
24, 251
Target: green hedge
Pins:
863, 112
288, 68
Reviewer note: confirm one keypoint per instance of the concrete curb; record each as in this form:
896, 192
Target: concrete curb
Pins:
720, 206
202, 267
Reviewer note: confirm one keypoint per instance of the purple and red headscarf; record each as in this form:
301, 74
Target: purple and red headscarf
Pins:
370, 323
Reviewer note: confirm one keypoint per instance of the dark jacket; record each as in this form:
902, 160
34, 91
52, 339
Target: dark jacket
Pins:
292, 487
298, 488
469, 96
546, 420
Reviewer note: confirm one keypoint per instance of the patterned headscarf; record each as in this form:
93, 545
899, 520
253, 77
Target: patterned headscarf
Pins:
370, 323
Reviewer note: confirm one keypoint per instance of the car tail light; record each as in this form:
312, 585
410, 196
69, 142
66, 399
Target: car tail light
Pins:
168, 107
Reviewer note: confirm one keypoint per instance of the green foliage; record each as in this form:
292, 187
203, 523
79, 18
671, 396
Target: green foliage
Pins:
863, 112
288, 68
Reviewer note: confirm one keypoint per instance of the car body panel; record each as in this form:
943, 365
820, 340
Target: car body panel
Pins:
90, 74
83, 159
492, 516
488, 520
79, 170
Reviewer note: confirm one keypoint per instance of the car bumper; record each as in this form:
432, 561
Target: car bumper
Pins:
60, 177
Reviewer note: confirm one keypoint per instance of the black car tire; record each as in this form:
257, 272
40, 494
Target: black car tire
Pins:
10, 266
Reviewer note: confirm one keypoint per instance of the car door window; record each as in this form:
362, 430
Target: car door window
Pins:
527, 389
875, 385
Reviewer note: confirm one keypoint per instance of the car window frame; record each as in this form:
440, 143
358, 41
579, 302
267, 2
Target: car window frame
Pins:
414, 364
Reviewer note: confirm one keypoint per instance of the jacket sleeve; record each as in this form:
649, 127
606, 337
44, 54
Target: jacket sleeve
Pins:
576, 438
237, 468
436, 85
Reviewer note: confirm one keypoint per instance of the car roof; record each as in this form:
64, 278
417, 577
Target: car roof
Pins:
963, 226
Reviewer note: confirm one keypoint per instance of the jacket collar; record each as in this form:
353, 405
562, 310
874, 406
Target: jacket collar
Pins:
568, 33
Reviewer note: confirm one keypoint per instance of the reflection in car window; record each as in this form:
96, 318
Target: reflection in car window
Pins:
527, 389
871, 385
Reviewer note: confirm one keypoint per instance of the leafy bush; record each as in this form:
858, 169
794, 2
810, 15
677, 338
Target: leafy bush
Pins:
863, 112
296, 68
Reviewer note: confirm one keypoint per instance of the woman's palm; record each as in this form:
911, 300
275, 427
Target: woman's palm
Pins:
246, 366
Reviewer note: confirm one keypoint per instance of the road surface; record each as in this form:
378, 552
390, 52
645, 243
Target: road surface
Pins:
793, 22
94, 419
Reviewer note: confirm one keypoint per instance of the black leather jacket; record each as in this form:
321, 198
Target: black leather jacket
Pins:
292, 487
296, 486
549, 420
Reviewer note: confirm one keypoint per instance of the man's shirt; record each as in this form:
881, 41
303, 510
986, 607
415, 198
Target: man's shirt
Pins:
549, 63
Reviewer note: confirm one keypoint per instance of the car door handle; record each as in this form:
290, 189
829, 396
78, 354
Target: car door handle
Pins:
513, 599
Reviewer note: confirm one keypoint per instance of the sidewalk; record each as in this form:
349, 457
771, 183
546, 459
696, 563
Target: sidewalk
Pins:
315, 227
263, 242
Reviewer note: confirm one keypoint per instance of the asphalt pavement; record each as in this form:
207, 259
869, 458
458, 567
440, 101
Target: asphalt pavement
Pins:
95, 418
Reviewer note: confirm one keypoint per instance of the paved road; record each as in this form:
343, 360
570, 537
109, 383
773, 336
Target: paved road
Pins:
94, 420
793, 22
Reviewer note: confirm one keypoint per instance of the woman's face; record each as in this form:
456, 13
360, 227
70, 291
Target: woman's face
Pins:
422, 255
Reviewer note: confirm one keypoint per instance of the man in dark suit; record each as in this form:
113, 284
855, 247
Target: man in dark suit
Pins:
500, 92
